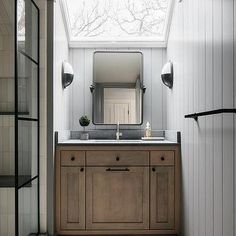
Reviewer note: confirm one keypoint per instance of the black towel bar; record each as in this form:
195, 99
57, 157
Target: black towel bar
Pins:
207, 113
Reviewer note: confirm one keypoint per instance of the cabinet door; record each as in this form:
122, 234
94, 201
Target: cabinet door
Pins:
72, 198
117, 198
162, 206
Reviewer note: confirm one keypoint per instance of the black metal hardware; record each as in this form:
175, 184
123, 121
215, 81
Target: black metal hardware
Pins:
72, 158
143, 87
153, 169
27, 182
117, 158
27, 119
207, 113
92, 87
162, 158
82, 169
29, 57
119, 169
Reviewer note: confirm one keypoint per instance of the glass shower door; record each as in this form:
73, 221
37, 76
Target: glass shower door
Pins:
27, 118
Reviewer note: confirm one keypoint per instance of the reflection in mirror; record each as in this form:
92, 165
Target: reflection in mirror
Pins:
117, 95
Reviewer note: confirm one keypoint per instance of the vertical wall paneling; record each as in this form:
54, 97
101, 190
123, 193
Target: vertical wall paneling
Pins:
228, 148
191, 125
156, 87
164, 100
217, 129
184, 137
196, 102
147, 70
88, 81
209, 121
78, 87
202, 122
61, 53
204, 81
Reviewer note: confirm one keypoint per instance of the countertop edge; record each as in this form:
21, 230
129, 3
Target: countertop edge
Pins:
117, 144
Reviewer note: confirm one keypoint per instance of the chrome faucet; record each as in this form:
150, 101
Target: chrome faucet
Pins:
118, 133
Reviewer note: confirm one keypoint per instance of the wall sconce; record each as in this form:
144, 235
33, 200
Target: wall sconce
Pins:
67, 74
167, 74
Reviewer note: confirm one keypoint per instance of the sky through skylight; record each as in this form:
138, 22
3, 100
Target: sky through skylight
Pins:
117, 19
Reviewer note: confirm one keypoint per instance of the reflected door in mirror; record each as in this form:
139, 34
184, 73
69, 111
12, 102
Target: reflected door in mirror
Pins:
117, 95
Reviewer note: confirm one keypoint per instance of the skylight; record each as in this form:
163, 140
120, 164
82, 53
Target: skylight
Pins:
117, 20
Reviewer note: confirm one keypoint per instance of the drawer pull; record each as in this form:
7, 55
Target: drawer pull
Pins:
82, 169
153, 169
162, 158
117, 158
72, 158
119, 169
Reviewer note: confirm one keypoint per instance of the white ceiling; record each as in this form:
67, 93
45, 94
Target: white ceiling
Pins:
117, 67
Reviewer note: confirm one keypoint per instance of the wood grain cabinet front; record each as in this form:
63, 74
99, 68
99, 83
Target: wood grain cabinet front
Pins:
117, 158
162, 197
72, 198
72, 158
117, 198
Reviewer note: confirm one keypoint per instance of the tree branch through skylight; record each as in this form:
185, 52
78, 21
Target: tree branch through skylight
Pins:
117, 18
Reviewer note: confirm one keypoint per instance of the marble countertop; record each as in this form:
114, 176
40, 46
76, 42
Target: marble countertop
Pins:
115, 142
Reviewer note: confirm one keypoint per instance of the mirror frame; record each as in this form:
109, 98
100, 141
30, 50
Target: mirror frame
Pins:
143, 88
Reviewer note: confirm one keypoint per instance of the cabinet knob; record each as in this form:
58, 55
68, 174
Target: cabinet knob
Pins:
162, 158
117, 158
72, 158
153, 169
82, 169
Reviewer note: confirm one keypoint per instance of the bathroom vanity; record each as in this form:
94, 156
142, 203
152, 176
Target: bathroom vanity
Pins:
117, 187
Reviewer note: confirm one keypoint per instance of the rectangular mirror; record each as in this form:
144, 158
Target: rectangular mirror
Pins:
117, 88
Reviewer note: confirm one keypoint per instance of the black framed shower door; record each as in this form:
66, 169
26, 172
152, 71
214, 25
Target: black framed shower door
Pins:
27, 117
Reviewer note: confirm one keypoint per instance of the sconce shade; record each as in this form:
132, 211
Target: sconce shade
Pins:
67, 74
167, 74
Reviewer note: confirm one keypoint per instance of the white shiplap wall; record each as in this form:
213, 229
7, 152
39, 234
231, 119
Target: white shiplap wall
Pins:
201, 46
154, 98
61, 53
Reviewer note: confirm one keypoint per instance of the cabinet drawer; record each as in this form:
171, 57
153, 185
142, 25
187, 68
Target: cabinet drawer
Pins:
117, 158
163, 158
72, 158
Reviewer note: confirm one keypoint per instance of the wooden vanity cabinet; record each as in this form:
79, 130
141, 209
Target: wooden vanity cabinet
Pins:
117, 190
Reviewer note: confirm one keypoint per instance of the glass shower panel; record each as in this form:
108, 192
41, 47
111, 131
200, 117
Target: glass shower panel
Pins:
28, 209
27, 151
27, 31
27, 87
27, 118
